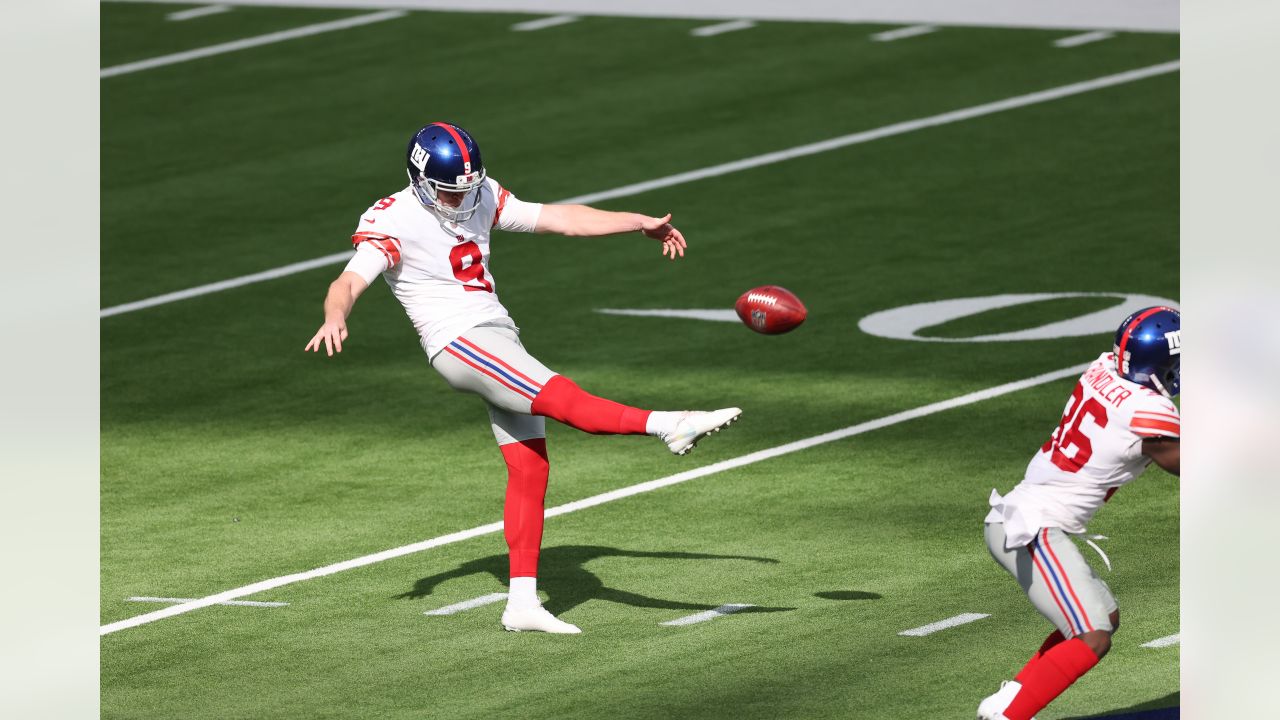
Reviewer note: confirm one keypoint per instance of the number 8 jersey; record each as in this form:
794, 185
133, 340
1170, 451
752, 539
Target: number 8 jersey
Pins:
437, 269
1096, 448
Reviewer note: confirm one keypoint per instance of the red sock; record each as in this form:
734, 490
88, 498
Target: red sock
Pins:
527, 470
1047, 677
561, 399
1054, 638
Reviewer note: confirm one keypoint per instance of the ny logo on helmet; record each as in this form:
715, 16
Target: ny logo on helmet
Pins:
419, 157
1175, 342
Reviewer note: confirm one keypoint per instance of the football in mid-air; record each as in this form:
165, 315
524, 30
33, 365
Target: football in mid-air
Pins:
770, 310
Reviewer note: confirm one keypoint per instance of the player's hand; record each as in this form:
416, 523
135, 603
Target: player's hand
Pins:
662, 230
331, 333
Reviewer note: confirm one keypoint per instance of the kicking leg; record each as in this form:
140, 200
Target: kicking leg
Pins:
490, 361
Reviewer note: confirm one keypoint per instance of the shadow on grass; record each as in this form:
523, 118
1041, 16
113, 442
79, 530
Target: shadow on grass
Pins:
1165, 708
568, 583
847, 595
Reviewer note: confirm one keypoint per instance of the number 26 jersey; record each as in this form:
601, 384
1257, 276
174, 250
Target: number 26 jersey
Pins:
439, 270
1096, 448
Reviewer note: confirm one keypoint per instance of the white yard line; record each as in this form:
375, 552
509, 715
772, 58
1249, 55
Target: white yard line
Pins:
709, 614
931, 628
481, 601
902, 33
721, 28
722, 169
547, 22
268, 39
199, 12
1083, 39
221, 285
1139, 15
1174, 639
174, 601
712, 469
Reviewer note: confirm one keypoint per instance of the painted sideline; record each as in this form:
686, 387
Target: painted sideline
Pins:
714, 468
715, 171
235, 45
721, 611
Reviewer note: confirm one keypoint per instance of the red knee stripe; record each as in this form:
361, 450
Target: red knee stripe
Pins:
536, 385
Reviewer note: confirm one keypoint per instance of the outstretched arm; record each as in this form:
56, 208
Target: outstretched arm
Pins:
585, 221
1165, 452
337, 306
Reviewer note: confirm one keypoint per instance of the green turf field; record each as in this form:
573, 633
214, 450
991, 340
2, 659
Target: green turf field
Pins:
229, 456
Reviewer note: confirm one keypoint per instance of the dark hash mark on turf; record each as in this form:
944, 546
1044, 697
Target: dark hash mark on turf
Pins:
569, 584
847, 595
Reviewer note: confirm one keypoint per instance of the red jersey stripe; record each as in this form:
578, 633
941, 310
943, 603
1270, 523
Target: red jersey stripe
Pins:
503, 194
1141, 425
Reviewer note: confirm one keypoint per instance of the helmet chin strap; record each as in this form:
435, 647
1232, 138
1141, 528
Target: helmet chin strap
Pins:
1160, 386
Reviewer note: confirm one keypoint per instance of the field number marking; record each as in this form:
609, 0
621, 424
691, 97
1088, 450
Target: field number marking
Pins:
931, 628
905, 323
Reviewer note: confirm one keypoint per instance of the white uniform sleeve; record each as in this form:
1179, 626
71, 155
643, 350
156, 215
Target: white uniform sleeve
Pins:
376, 252
514, 214
1155, 417
368, 262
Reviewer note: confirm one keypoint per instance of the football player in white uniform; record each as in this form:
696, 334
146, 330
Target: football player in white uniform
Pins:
1119, 419
430, 242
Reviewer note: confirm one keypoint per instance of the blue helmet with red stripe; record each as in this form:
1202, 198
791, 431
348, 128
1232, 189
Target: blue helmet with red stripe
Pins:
1149, 349
443, 156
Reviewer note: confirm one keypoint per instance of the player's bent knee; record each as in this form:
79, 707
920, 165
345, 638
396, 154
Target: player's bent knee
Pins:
1099, 641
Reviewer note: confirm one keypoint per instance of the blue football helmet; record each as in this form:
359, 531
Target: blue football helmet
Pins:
1149, 349
443, 156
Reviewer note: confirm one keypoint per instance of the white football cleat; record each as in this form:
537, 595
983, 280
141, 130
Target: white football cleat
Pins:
993, 706
696, 425
536, 619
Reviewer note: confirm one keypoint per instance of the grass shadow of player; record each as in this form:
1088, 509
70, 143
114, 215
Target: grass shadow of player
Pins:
569, 584
1165, 708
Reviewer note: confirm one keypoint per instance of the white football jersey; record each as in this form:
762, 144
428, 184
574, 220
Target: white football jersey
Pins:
439, 270
1096, 448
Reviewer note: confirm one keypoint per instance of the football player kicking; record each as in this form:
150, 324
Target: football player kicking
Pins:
430, 242
1119, 419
